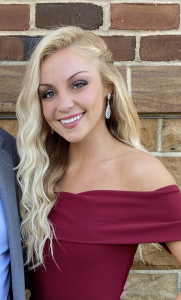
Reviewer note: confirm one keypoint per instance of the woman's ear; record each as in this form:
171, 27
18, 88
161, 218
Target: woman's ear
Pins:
110, 88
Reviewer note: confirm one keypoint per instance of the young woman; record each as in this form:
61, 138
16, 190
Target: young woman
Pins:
90, 192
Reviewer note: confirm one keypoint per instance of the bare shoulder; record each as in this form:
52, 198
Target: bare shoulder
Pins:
145, 172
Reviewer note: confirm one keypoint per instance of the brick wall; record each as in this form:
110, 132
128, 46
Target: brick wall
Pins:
145, 38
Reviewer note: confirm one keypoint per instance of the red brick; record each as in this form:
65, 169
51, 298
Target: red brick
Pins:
86, 15
160, 48
14, 17
157, 89
10, 81
122, 47
145, 16
17, 47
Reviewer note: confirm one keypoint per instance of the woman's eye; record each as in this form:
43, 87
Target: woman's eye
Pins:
47, 94
79, 84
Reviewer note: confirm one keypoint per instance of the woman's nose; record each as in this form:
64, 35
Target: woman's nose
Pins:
64, 103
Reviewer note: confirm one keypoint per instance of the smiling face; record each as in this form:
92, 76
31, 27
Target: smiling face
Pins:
72, 94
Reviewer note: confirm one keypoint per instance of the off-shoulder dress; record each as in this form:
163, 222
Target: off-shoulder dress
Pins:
97, 236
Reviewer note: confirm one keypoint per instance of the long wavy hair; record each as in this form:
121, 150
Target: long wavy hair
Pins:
43, 156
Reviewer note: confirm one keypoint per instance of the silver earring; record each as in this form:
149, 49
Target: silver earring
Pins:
52, 131
108, 109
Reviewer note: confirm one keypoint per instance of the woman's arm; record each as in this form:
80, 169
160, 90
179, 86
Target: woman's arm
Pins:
175, 249
178, 297
123, 295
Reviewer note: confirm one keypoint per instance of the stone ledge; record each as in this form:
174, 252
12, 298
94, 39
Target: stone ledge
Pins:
157, 89
10, 80
152, 287
10, 126
171, 135
173, 164
149, 133
154, 259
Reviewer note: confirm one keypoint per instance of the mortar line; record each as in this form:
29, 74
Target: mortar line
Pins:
32, 16
140, 116
147, 63
145, 1
137, 50
117, 64
158, 116
99, 2
13, 63
106, 18
159, 134
152, 272
128, 78
100, 31
166, 154
179, 282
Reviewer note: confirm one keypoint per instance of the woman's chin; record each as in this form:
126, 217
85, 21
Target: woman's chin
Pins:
74, 139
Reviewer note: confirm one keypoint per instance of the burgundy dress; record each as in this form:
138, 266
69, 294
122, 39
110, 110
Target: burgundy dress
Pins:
98, 233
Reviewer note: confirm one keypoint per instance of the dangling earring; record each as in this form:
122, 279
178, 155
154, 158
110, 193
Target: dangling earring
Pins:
108, 109
52, 131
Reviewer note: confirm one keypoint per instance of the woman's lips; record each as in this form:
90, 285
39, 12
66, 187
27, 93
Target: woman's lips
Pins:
71, 121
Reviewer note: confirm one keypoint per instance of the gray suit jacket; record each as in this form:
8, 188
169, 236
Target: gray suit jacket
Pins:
10, 205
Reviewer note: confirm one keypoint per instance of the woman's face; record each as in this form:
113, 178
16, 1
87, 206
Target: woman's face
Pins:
72, 94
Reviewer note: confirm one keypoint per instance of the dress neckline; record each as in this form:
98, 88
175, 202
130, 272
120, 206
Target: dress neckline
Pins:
168, 187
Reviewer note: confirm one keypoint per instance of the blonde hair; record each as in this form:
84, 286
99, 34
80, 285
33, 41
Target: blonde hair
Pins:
42, 163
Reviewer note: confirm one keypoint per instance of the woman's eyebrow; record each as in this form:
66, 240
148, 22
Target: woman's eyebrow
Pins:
46, 84
76, 74
50, 85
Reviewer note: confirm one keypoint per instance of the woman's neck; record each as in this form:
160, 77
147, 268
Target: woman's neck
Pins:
92, 149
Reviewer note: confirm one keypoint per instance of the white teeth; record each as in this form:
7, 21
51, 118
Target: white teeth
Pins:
67, 121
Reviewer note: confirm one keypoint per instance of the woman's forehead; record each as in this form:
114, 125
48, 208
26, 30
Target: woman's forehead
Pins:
66, 61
